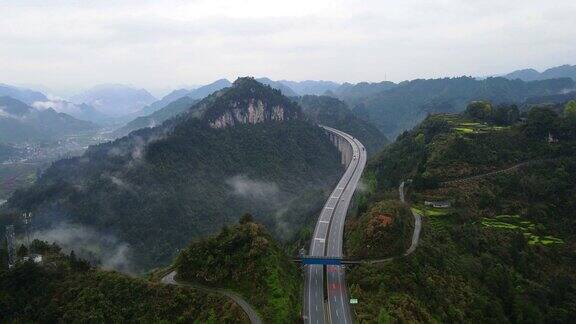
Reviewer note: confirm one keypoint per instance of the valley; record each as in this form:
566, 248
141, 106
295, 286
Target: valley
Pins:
449, 199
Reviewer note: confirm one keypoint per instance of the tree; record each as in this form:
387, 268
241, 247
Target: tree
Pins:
506, 114
479, 110
541, 122
570, 109
433, 127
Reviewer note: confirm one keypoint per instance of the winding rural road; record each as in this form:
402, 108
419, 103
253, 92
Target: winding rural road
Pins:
327, 241
417, 223
251, 312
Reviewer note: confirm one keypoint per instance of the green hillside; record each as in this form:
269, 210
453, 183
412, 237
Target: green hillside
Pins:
504, 249
246, 259
405, 105
66, 289
158, 188
332, 112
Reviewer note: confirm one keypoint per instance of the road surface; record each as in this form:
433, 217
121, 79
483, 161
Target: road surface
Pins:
252, 314
327, 241
417, 223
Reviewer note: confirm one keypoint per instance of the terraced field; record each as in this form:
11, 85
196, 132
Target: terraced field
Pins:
464, 126
515, 222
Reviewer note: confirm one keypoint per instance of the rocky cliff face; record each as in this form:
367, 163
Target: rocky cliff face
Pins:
256, 112
250, 102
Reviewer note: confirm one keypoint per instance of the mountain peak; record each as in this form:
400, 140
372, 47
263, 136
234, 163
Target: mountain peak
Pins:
249, 102
247, 82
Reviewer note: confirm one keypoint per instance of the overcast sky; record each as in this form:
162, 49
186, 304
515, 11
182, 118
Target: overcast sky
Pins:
69, 45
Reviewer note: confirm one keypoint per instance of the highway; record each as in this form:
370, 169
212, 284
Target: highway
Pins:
327, 241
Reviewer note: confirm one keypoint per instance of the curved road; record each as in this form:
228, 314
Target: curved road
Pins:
327, 241
252, 314
417, 223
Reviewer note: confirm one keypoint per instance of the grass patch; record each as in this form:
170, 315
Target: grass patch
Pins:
515, 222
430, 211
464, 130
436, 217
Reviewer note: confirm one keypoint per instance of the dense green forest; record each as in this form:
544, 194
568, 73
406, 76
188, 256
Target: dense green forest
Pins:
246, 259
382, 231
355, 93
503, 251
332, 112
401, 107
158, 188
65, 288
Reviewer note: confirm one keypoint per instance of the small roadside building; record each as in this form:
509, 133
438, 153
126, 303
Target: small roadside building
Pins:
437, 203
36, 258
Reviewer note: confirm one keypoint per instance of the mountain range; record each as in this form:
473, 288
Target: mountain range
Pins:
562, 71
25, 95
21, 123
310, 87
115, 99
159, 187
156, 118
404, 105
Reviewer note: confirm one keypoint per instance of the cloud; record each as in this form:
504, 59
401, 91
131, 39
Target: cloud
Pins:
57, 104
245, 187
106, 249
156, 44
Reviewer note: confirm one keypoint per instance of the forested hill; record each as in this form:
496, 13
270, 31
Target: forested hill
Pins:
67, 289
403, 106
246, 259
502, 250
332, 112
158, 188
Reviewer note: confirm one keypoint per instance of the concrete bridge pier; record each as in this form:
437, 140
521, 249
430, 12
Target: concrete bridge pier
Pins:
342, 145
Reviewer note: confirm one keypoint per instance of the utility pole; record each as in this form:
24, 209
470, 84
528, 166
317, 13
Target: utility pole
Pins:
27, 223
10, 245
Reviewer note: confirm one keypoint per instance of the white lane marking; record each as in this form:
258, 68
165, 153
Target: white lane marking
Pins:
321, 240
328, 207
325, 222
337, 315
309, 290
342, 298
